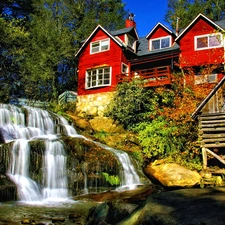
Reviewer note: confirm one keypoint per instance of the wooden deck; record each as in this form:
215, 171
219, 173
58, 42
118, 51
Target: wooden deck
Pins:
153, 77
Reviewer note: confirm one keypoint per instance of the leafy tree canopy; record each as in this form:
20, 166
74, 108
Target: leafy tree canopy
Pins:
185, 11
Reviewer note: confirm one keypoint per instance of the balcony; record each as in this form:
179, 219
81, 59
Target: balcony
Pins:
153, 77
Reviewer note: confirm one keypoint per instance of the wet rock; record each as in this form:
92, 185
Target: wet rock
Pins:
173, 175
58, 219
25, 221
97, 215
74, 216
193, 206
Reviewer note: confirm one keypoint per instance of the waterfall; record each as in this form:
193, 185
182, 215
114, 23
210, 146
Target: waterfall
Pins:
129, 177
55, 175
19, 172
21, 126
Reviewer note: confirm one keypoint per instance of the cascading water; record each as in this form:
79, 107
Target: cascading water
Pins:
129, 177
19, 172
21, 126
18, 127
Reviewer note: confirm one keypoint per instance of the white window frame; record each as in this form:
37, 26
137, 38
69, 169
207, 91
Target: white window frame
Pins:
129, 38
124, 69
100, 46
208, 41
208, 78
94, 78
160, 40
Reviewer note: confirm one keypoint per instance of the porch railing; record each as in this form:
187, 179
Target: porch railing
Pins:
153, 77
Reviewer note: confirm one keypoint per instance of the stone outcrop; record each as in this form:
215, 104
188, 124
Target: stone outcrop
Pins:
192, 206
172, 175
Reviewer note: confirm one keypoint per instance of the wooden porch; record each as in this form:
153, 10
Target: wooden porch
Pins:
152, 77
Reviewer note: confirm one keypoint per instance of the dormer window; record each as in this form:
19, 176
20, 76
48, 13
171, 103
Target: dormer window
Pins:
208, 41
100, 46
160, 43
130, 41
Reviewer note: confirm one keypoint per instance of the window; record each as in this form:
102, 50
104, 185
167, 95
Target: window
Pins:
98, 77
124, 69
160, 43
100, 46
130, 41
208, 41
210, 78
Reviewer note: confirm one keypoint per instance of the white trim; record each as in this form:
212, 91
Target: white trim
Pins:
124, 64
127, 41
158, 24
97, 80
196, 18
100, 46
98, 27
208, 47
160, 38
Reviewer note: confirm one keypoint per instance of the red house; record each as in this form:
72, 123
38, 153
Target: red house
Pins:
202, 48
107, 58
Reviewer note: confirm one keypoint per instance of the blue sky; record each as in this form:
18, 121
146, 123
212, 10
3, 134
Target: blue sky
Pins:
147, 14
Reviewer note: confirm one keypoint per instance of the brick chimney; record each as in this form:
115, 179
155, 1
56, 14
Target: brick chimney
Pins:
130, 21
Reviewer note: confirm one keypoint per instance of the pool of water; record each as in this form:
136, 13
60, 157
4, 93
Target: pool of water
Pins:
69, 212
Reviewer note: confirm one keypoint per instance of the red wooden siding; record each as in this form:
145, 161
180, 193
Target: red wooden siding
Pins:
112, 58
159, 32
192, 57
122, 37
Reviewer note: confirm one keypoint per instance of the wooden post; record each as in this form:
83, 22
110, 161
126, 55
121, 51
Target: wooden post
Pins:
204, 158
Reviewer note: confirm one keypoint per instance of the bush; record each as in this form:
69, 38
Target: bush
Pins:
132, 103
158, 139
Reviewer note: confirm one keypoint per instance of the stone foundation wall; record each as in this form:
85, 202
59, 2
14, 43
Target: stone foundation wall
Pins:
94, 104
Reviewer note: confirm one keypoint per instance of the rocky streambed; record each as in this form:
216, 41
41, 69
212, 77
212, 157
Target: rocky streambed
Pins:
147, 205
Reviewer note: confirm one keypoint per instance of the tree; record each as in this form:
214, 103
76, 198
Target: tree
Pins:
57, 29
186, 10
12, 39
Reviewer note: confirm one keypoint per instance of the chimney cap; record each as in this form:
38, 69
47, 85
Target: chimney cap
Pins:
131, 16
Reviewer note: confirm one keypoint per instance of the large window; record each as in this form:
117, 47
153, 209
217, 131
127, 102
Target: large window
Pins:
208, 41
160, 43
98, 77
100, 46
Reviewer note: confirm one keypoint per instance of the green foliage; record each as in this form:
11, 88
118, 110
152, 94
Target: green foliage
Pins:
38, 54
132, 103
187, 10
112, 179
158, 138
101, 135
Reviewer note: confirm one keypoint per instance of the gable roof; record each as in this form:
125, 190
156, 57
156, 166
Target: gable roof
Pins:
111, 34
207, 98
156, 26
219, 25
99, 27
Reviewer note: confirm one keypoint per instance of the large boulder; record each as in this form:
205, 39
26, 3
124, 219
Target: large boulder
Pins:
172, 175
